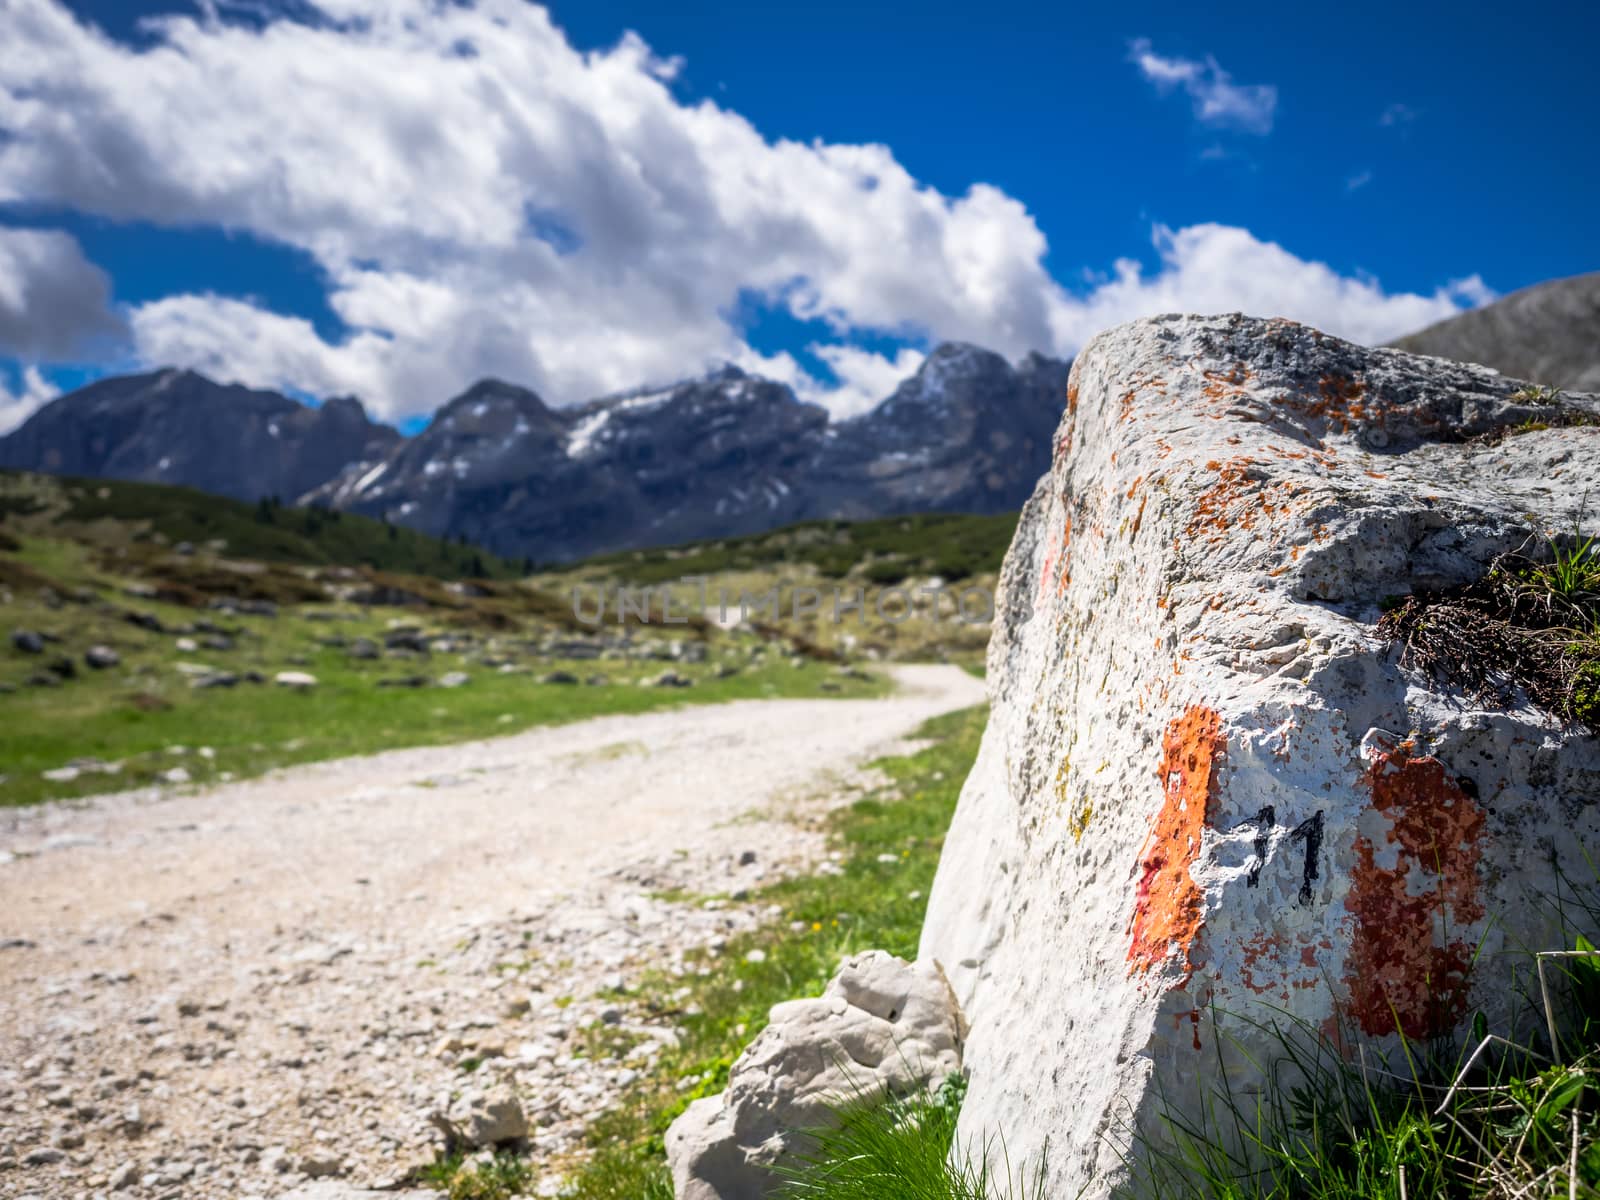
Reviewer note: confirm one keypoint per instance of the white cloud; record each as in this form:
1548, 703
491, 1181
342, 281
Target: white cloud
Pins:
455, 123
485, 200
54, 303
1358, 181
33, 393
864, 377
1216, 98
1219, 268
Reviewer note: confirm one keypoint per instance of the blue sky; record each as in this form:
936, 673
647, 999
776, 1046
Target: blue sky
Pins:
393, 197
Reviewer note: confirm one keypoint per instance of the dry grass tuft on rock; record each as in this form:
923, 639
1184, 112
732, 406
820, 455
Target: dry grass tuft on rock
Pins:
1531, 625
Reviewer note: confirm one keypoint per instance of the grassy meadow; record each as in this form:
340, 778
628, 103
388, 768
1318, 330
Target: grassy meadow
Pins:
411, 641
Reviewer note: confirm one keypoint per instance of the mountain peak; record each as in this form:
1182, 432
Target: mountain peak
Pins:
490, 390
722, 453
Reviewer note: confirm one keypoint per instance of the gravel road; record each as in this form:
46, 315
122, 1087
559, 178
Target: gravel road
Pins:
232, 990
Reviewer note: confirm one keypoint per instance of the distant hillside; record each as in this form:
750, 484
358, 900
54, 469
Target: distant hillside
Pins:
103, 510
951, 546
1548, 334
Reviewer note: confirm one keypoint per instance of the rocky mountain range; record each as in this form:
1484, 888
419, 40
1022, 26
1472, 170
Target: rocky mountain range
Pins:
179, 427
1548, 333
725, 454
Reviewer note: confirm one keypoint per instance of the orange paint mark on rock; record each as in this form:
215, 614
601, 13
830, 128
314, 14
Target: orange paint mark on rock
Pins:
1047, 572
1169, 906
1056, 558
1397, 971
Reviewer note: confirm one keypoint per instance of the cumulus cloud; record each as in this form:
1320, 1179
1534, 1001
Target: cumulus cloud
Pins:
54, 303
491, 201
1216, 98
864, 377
33, 392
1219, 268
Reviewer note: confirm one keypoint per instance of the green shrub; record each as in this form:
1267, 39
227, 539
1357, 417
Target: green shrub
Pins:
901, 1149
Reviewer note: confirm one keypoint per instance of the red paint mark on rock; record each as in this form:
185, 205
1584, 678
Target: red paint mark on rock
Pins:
1066, 557
1398, 973
1193, 1017
1263, 945
1056, 557
1169, 907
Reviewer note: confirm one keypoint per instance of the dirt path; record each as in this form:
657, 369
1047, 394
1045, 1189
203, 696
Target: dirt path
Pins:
224, 992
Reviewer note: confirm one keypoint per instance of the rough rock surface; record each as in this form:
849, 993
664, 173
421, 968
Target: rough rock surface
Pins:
487, 1118
1206, 786
882, 1025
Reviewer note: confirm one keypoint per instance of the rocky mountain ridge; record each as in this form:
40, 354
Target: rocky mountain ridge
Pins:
725, 454
175, 426
1548, 333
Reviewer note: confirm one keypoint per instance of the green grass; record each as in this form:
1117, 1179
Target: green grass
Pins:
77, 588
134, 713
900, 1149
1573, 572
869, 904
495, 1177
1520, 1118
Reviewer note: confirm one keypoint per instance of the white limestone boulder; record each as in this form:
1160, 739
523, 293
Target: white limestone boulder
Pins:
1208, 792
882, 1026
